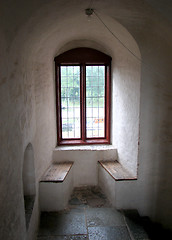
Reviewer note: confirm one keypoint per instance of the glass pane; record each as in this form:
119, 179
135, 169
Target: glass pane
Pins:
70, 101
95, 101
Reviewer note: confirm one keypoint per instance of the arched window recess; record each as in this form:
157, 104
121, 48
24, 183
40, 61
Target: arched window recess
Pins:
83, 89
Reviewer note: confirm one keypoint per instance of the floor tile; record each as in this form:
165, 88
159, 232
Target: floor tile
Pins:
108, 233
76, 237
69, 237
51, 238
104, 217
88, 197
89, 216
70, 223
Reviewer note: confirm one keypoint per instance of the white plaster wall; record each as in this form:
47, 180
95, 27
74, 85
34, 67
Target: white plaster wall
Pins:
128, 194
17, 125
107, 184
126, 104
16, 117
32, 34
121, 194
8, 187
155, 123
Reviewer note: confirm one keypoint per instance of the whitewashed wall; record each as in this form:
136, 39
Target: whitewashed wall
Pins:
32, 34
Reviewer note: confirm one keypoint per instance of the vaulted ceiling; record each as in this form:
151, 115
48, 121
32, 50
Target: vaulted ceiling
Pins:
163, 6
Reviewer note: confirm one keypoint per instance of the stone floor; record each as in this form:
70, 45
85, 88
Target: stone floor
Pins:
90, 216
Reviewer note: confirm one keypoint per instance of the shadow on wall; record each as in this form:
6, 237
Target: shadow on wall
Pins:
29, 188
163, 207
156, 152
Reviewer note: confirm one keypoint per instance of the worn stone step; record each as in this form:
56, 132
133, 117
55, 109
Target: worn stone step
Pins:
135, 225
142, 228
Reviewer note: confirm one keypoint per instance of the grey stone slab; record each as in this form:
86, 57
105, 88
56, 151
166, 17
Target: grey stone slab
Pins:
108, 233
137, 231
63, 223
70, 237
104, 217
96, 202
51, 238
76, 237
134, 224
75, 201
90, 196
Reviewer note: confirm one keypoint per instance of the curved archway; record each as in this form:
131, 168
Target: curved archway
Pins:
48, 41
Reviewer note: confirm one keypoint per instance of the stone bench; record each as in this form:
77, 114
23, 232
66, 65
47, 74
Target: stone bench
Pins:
116, 182
56, 186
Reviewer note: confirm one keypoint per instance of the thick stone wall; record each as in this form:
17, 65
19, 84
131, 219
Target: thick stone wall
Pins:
32, 34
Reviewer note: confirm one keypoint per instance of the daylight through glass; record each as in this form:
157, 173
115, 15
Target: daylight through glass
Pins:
70, 101
95, 101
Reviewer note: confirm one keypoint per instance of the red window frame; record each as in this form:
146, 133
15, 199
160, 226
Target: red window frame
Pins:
83, 57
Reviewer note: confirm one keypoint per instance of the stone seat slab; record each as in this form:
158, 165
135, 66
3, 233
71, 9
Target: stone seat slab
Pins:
57, 172
116, 170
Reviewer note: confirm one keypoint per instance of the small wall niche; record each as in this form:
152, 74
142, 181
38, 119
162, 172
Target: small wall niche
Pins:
29, 188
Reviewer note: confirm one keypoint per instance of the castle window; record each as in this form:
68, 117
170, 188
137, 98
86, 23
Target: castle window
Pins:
83, 97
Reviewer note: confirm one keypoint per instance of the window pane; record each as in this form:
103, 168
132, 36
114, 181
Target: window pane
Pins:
70, 101
95, 101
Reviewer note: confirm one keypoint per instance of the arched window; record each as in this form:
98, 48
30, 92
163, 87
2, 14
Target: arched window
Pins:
83, 97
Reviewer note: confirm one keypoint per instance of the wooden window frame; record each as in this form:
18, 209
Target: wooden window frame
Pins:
83, 57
